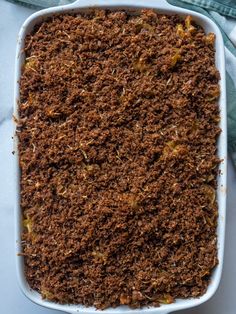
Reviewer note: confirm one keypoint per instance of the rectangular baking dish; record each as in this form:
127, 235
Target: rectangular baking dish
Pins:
163, 7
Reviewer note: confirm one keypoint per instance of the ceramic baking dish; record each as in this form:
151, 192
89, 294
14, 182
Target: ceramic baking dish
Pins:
163, 7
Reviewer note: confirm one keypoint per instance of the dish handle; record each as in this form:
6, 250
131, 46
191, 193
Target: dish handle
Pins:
80, 3
138, 312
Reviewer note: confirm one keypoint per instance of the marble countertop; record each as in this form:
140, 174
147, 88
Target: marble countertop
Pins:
12, 299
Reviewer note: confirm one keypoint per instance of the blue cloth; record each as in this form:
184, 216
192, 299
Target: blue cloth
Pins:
224, 7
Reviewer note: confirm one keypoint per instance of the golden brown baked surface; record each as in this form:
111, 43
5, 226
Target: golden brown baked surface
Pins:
117, 139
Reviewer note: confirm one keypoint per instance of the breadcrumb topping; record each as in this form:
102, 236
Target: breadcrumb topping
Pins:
117, 139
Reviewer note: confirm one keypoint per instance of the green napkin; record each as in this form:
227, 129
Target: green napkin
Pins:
223, 12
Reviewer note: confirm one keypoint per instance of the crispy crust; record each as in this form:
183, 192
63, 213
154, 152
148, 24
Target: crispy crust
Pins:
118, 128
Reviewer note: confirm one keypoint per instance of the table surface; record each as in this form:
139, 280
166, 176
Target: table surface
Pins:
12, 299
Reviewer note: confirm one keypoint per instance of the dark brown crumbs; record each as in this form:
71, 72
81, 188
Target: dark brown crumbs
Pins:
118, 129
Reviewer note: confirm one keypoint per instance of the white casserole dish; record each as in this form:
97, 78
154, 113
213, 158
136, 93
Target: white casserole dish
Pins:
163, 7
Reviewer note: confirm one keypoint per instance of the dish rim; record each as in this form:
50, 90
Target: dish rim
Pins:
162, 7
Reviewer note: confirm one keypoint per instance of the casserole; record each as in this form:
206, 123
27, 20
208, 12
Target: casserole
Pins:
162, 8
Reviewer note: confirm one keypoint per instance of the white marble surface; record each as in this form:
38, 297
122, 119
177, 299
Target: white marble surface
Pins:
11, 298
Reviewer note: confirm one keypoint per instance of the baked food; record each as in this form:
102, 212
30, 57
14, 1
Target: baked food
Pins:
117, 140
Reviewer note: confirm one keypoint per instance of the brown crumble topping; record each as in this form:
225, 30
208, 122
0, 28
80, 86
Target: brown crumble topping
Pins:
118, 128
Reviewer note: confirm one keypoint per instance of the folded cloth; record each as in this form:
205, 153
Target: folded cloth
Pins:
223, 12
